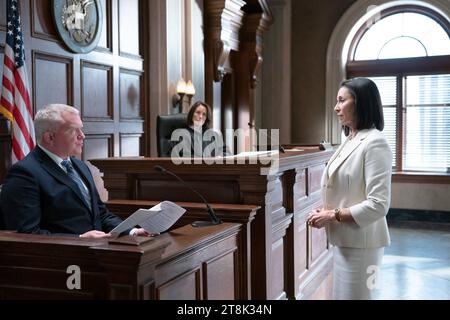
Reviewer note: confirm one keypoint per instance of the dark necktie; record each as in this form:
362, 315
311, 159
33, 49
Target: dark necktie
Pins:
73, 174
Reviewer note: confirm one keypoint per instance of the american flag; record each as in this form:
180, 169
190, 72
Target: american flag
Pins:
15, 101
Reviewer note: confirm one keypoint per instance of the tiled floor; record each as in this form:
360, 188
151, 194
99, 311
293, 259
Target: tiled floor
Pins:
416, 265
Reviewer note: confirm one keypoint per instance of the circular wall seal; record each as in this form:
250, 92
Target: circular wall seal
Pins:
79, 23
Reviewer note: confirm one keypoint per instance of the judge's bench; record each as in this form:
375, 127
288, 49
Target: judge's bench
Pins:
287, 259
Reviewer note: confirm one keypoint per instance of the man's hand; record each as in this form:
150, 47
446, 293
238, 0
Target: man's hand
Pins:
141, 232
95, 234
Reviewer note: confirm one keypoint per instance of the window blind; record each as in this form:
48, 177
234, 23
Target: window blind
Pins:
427, 122
388, 92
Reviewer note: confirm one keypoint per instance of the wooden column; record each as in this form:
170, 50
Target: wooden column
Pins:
274, 109
258, 18
223, 20
233, 58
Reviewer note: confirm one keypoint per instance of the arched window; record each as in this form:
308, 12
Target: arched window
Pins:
407, 53
403, 35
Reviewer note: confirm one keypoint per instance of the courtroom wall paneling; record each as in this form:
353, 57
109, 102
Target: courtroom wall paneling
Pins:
216, 189
314, 180
220, 269
52, 79
129, 28
129, 144
42, 25
301, 247
228, 116
187, 286
2, 15
50, 280
96, 78
197, 45
208, 273
278, 264
319, 243
177, 46
300, 187
105, 42
98, 146
121, 292
105, 85
94, 83
312, 26
310, 245
130, 99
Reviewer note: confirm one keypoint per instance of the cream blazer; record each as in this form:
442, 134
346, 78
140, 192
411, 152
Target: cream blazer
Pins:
361, 181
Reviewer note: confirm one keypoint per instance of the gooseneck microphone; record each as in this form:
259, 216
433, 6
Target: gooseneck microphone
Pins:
214, 219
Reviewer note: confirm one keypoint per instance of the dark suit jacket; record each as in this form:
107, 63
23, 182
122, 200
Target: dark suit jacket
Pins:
39, 197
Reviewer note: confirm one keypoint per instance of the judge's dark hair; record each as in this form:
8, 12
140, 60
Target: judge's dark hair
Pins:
192, 111
368, 111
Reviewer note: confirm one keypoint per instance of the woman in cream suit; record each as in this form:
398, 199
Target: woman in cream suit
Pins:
356, 189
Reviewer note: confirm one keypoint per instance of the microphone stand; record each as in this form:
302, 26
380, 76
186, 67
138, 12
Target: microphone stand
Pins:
214, 219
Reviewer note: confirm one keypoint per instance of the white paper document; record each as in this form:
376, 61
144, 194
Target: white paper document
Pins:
294, 150
155, 220
249, 154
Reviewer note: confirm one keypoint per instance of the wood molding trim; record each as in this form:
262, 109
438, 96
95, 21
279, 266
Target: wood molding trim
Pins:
224, 20
257, 20
67, 61
420, 177
155, 66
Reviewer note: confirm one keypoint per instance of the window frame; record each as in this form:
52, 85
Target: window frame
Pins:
439, 19
400, 68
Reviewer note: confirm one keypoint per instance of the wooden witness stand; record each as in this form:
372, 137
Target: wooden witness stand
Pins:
182, 264
288, 260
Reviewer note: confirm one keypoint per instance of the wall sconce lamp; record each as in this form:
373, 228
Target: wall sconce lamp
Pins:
190, 91
183, 89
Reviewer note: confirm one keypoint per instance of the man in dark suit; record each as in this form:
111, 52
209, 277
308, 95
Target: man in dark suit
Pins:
50, 191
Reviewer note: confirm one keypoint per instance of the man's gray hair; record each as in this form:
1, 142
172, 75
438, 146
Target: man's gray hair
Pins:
49, 118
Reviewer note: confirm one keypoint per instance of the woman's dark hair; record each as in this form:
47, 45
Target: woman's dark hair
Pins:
368, 111
192, 111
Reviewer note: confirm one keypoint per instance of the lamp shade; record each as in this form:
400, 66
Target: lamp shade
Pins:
190, 89
181, 86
